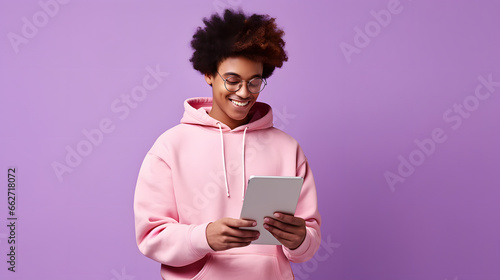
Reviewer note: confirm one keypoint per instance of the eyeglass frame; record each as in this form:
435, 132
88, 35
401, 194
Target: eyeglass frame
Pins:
241, 84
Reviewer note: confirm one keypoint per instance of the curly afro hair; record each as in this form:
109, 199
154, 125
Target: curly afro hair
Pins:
255, 37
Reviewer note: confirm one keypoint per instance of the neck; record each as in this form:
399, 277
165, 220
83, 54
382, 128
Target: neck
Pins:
227, 121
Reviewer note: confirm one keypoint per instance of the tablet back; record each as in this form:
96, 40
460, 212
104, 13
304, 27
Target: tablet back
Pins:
266, 195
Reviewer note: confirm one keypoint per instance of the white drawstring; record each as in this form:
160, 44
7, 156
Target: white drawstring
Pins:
223, 158
242, 161
243, 164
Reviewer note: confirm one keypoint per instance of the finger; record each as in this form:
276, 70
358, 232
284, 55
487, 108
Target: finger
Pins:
233, 239
245, 233
289, 240
280, 225
281, 235
289, 219
236, 223
239, 233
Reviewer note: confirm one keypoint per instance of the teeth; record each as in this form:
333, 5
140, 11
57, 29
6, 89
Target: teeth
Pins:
239, 103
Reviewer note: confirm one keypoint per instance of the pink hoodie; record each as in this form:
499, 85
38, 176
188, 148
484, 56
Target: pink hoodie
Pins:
196, 173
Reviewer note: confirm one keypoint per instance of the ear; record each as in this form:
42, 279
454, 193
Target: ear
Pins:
209, 79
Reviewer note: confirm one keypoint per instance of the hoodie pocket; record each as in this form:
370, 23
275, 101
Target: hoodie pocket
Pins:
241, 267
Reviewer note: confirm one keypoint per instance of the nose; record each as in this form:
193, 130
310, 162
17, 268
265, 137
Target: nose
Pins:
244, 93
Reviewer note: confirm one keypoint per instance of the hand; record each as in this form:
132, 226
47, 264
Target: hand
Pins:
288, 229
225, 234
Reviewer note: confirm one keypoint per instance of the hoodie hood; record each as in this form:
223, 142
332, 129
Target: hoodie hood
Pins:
196, 112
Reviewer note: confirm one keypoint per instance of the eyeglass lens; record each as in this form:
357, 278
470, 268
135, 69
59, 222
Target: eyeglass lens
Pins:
255, 85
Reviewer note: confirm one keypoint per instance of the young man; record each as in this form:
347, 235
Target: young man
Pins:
192, 182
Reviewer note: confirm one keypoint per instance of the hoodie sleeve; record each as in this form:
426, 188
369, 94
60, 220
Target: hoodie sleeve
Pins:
307, 209
159, 234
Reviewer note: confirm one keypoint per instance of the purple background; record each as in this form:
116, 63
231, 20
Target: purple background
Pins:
354, 116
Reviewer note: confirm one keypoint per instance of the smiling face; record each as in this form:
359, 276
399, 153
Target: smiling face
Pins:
231, 108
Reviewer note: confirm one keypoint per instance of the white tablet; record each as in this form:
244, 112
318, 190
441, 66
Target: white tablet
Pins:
266, 195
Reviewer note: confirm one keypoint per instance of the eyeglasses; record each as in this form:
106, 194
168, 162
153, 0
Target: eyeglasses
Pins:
234, 83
